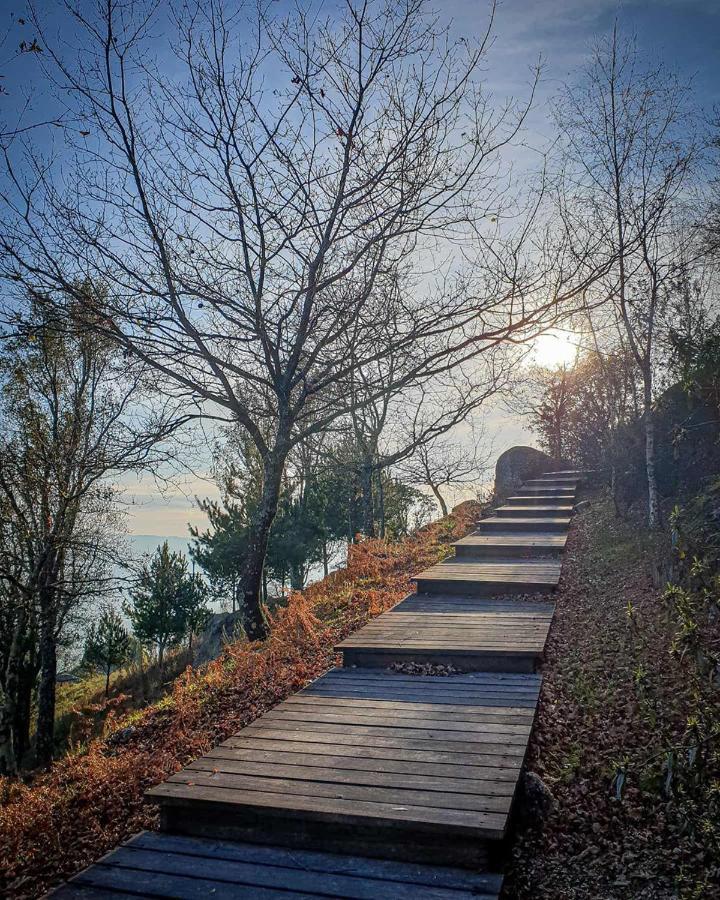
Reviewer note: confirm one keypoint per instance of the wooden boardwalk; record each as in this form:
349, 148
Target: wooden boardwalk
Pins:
470, 635
370, 783
164, 865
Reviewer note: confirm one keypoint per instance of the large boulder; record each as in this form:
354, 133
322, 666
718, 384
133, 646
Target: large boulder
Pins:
221, 629
516, 465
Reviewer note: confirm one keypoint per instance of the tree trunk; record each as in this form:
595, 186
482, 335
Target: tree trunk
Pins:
368, 513
653, 502
107, 681
23, 708
440, 499
9, 694
326, 569
8, 760
614, 489
297, 578
161, 654
255, 620
45, 732
381, 503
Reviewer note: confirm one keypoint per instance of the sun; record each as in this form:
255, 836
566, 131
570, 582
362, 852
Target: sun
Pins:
553, 349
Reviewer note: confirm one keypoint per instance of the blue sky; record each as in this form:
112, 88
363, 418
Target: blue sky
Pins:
685, 33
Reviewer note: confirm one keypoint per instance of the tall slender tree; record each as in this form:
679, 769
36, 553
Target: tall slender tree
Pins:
67, 430
629, 151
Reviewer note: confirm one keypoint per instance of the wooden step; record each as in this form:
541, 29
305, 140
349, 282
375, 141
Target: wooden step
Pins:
541, 499
552, 482
547, 491
521, 512
465, 633
476, 753
489, 578
529, 524
509, 544
191, 868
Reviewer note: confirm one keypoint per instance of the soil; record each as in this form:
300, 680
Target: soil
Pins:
616, 707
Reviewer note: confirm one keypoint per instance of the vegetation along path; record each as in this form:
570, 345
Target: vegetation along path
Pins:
374, 780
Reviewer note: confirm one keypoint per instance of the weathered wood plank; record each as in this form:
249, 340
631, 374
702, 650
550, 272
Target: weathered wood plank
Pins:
437, 760
552, 525
490, 823
530, 510
360, 748
312, 861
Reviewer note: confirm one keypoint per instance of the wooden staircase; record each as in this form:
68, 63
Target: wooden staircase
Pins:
371, 782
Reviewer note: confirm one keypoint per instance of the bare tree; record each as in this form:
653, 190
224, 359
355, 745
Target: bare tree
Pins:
630, 149
72, 416
250, 220
398, 427
446, 464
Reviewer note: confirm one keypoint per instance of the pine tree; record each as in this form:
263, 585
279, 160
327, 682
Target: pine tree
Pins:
194, 603
158, 605
107, 645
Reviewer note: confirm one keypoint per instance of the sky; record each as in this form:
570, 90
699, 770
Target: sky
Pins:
684, 33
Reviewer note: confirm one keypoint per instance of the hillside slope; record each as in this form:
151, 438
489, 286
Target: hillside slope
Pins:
64, 820
628, 732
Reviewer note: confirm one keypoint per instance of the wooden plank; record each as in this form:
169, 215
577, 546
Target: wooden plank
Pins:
417, 754
458, 783
406, 732
520, 546
536, 526
541, 498
109, 879
78, 890
490, 824
530, 510
221, 876
312, 861
235, 773
453, 605
361, 764
348, 716
437, 760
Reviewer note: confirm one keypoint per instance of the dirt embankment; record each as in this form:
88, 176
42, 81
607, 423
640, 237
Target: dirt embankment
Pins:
636, 786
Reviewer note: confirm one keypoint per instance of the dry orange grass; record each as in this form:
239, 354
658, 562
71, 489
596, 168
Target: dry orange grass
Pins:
65, 819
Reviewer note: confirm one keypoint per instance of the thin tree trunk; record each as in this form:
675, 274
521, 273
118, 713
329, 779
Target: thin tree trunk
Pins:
326, 569
650, 464
440, 499
368, 513
297, 578
255, 619
381, 502
9, 695
23, 707
45, 732
107, 682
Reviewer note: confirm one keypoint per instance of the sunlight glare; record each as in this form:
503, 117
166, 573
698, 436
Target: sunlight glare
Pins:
553, 349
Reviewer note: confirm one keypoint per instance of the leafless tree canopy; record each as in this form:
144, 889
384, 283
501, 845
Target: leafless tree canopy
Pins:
253, 214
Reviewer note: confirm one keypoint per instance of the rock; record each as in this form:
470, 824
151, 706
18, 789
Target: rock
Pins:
222, 628
517, 465
536, 800
122, 736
